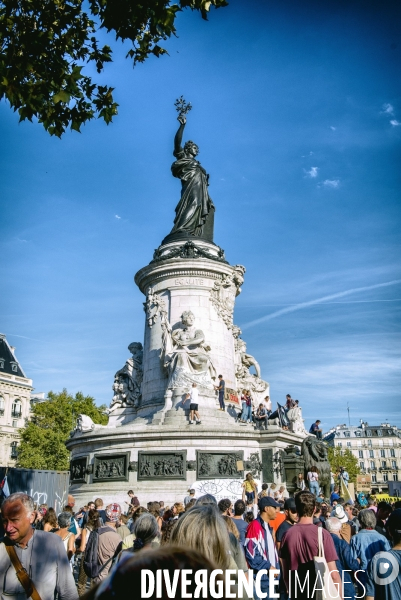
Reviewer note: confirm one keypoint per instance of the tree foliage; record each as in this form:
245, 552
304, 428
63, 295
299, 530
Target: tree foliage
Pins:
343, 458
43, 438
45, 47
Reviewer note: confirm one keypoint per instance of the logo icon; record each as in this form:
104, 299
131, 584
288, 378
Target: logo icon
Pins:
385, 568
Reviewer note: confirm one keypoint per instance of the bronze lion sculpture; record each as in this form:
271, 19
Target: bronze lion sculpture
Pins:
315, 454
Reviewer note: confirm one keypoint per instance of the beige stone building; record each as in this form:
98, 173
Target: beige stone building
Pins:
377, 448
15, 402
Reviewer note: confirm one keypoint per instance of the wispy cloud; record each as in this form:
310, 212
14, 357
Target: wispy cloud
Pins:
117, 217
388, 109
333, 128
395, 123
321, 300
331, 183
313, 172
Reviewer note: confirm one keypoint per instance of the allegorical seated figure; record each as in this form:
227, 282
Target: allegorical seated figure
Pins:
189, 358
195, 205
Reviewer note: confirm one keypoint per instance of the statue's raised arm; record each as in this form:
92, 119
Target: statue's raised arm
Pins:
178, 136
195, 210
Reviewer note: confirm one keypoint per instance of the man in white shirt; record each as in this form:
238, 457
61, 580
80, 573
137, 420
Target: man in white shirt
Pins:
193, 407
268, 405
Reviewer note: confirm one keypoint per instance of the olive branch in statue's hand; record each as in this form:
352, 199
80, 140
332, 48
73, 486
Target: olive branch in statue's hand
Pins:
183, 108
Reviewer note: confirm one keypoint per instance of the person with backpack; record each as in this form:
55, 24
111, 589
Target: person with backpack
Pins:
92, 523
104, 545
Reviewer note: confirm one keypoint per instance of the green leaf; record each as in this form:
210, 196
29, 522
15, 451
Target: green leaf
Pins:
61, 96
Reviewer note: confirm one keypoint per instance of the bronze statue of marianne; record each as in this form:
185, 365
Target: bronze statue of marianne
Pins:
195, 210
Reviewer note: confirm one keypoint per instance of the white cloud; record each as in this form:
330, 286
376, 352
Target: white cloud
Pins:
323, 299
333, 128
395, 123
313, 172
117, 217
388, 109
331, 183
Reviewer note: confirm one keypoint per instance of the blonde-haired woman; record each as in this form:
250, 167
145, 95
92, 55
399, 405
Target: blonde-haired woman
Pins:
203, 529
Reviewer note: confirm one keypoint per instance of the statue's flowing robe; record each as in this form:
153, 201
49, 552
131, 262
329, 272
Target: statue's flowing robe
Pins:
195, 202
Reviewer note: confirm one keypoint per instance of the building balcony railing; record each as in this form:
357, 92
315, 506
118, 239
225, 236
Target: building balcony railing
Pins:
17, 414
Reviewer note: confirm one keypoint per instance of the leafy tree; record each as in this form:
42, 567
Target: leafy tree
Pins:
343, 458
44, 47
43, 438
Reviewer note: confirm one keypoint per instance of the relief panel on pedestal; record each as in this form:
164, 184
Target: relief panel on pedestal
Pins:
219, 465
78, 470
111, 467
162, 465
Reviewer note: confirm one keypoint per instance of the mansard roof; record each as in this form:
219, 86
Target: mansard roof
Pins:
8, 362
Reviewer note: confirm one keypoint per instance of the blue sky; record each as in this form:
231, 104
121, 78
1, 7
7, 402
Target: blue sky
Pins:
297, 112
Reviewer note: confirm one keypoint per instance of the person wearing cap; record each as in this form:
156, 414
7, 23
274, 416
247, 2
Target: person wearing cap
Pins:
291, 517
346, 531
110, 543
191, 496
260, 549
375, 590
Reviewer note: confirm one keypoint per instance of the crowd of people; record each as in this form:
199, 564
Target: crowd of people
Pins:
265, 538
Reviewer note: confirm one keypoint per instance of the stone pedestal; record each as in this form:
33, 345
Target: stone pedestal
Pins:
149, 444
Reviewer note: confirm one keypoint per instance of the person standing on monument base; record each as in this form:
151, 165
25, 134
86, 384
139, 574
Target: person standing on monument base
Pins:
193, 396
41, 554
221, 388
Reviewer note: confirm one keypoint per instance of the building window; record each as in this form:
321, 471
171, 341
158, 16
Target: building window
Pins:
382, 453
369, 432
14, 367
384, 464
16, 409
371, 454
15, 423
358, 433
348, 444
1, 363
362, 465
347, 434
374, 479
385, 477
1, 405
393, 464
14, 453
369, 442
372, 464
360, 453
339, 444
379, 432
395, 477
392, 452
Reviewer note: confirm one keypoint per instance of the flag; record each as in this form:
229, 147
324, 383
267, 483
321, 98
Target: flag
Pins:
344, 492
282, 415
4, 489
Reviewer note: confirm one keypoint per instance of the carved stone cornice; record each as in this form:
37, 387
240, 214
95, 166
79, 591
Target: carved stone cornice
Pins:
188, 250
158, 271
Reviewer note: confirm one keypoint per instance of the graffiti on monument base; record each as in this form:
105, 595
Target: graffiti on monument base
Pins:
221, 488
